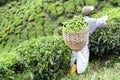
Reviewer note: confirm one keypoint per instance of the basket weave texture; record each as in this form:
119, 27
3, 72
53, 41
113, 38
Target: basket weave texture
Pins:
76, 40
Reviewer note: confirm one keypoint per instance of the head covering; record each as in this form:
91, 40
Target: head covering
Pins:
87, 9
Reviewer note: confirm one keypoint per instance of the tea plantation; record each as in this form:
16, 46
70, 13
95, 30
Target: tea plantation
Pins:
32, 46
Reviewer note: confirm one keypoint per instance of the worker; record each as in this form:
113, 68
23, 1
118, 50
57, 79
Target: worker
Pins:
80, 59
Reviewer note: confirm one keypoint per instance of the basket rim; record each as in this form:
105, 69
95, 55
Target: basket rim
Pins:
76, 32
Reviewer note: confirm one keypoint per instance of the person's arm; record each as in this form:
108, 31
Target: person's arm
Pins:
96, 23
92, 24
101, 22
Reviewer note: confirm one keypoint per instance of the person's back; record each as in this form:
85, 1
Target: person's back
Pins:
82, 57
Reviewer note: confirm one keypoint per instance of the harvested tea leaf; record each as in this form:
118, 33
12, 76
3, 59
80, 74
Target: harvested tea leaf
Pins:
76, 24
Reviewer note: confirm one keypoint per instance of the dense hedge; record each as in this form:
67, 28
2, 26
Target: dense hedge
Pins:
46, 57
8, 62
19, 22
108, 39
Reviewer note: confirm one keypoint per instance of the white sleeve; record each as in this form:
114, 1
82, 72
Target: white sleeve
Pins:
101, 22
96, 23
92, 23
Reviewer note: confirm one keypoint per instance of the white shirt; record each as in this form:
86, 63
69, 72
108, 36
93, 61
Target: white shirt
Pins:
82, 57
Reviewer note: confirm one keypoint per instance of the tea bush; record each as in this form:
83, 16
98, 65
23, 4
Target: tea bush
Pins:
49, 27
78, 2
39, 29
7, 65
61, 20
46, 5
32, 32
19, 18
115, 2
52, 10
92, 2
69, 8
78, 10
59, 8
107, 40
46, 57
24, 35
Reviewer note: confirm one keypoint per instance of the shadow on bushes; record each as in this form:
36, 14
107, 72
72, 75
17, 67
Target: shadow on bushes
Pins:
3, 2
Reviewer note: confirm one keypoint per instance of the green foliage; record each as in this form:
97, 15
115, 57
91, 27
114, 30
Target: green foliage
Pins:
31, 18
45, 57
31, 31
15, 17
49, 27
69, 8
61, 20
26, 75
101, 5
9, 44
69, 15
110, 12
50, 0
107, 6
52, 11
77, 24
39, 29
48, 57
7, 60
104, 5
24, 35
17, 21
42, 15
78, 9
18, 30
46, 6
115, 2
59, 8
37, 17
92, 2
42, 20
78, 2
107, 40
99, 70
16, 42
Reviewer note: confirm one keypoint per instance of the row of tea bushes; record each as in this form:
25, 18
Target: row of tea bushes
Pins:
45, 58
22, 21
27, 19
8, 62
107, 40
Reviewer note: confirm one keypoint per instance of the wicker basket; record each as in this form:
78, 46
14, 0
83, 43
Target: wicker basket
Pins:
76, 40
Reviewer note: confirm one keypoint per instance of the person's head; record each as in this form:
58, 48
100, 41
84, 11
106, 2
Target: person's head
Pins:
86, 10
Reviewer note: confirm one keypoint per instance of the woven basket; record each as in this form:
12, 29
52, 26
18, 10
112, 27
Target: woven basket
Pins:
76, 40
